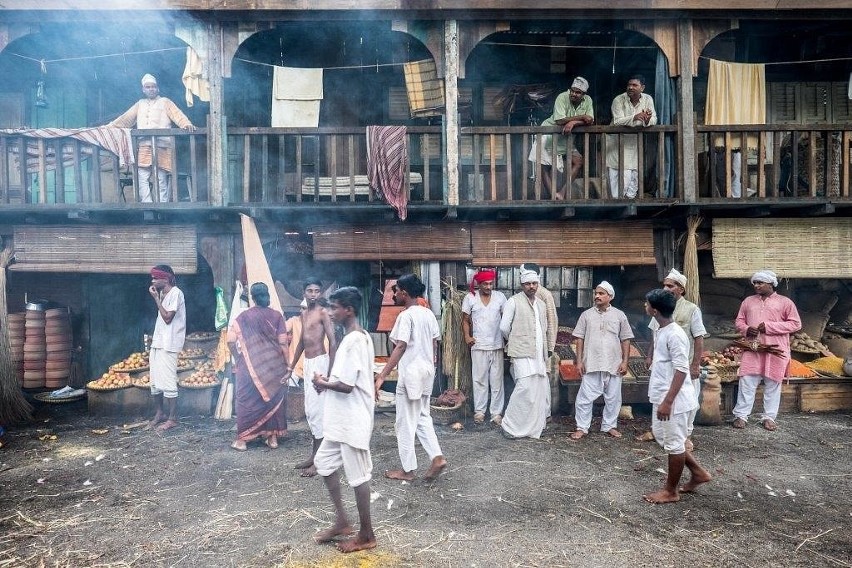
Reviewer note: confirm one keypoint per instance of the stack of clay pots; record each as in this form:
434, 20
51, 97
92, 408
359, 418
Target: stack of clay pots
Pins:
16, 342
58, 342
35, 347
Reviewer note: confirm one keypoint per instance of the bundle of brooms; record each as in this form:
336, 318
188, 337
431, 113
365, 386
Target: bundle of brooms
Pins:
455, 355
14, 408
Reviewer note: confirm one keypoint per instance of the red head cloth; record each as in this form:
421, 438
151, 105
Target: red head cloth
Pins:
162, 275
482, 276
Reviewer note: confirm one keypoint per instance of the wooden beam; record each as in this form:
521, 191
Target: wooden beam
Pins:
686, 115
217, 141
451, 118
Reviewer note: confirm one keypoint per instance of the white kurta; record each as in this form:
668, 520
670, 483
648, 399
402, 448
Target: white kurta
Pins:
623, 112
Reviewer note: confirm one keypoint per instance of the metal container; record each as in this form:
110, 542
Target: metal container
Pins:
36, 306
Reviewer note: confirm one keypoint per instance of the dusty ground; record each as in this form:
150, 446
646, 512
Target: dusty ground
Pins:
129, 497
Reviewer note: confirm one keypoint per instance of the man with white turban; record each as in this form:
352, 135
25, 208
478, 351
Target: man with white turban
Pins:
154, 112
603, 349
688, 316
524, 326
765, 319
572, 108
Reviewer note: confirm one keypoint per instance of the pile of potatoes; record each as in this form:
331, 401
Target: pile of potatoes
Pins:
801, 341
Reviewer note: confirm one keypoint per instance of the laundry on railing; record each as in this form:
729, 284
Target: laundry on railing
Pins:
359, 185
387, 162
296, 97
114, 140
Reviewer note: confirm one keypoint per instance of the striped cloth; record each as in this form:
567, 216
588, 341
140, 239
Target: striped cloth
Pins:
387, 162
111, 139
425, 90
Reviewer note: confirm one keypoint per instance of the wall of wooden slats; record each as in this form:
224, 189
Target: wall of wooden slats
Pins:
571, 243
393, 242
105, 248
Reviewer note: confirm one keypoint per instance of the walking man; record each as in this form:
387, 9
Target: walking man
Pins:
766, 320
317, 332
481, 312
603, 349
415, 338
348, 423
166, 343
524, 326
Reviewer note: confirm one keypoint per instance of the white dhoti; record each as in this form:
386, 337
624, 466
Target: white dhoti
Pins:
314, 401
487, 368
631, 183
747, 388
526, 413
594, 385
413, 419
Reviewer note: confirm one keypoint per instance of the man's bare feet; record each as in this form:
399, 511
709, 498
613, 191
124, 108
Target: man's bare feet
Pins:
662, 496
478, 418
497, 420
400, 475
271, 442
614, 433
309, 471
646, 437
577, 435
331, 533
159, 417
770, 425
689, 445
167, 425
305, 464
695, 481
239, 445
355, 544
739, 424
435, 469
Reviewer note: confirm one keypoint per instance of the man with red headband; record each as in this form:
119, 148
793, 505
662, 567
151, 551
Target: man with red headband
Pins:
166, 343
481, 313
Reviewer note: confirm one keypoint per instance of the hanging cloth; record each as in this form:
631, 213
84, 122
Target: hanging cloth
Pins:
296, 97
425, 90
194, 78
736, 94
387, 162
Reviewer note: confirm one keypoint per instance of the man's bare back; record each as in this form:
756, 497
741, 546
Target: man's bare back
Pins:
316, 327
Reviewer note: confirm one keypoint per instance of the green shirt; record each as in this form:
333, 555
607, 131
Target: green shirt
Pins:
562, 109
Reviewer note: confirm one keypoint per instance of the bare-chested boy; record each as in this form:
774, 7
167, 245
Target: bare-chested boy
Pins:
317, 329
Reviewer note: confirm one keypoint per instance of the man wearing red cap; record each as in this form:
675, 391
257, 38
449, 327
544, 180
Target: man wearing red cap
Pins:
481, 313
166, 343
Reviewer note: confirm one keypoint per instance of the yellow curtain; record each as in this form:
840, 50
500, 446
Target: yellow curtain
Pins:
736, 94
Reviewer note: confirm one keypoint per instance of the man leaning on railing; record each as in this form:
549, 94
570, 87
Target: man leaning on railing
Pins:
631, 108
154, 112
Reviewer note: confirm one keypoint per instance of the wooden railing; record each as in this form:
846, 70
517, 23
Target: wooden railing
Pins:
298, 165
504, 163
67, 170
782, 161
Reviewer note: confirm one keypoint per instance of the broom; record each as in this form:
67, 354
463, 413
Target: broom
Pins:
14, 408
690, 261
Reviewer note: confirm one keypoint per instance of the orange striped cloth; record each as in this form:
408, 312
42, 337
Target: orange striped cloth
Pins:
387, 162
109, 138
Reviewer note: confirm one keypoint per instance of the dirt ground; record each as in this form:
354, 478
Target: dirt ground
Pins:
85, 491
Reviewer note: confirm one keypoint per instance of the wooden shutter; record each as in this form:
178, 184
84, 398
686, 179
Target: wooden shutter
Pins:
393, 242
105, 249
557, 243
398, 104
782, 103
841, 104
814, 103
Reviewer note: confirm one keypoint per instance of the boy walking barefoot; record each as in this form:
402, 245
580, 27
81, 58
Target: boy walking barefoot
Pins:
348, 423
672, 397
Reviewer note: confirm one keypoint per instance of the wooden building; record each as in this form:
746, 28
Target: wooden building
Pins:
473, 186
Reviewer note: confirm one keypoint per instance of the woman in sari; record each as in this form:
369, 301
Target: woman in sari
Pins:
258, 341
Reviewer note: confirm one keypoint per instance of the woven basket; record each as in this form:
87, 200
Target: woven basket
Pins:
727, 373
448, 414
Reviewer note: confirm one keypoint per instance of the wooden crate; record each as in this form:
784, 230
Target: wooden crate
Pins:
826, 396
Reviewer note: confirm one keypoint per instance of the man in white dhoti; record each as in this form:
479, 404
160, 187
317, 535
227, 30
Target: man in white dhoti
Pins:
415, 338
631, 108
523, 325
603, 349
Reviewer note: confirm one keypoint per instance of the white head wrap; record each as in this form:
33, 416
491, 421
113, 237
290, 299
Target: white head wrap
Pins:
528, 275
580, 83
677, 277
148, 78
607, 287
765, 276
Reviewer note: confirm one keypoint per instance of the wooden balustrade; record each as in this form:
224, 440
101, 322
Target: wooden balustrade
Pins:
504, 163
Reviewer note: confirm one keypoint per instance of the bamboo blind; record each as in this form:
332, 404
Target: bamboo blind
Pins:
105, 249
556, 243
793, 248
393, 242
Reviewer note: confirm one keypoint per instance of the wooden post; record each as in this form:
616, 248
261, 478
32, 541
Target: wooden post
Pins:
451, 118
686, 114
217, 134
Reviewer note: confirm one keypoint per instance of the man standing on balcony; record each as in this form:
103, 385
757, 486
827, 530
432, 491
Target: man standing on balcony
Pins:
766, 320
154, 112
524, 326
572, 108
632, 108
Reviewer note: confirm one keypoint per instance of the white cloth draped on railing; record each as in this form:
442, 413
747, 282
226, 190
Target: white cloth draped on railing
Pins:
114, 140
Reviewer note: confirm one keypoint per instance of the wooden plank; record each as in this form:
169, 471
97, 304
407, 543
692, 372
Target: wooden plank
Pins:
794, 147
744, 177
554, 170
812, 152
477, 158
425, 151
264, 169
509, 167
78, 171
452, 62
333, 159
776, 164
174, 189
826, 397
662, 170
154, 178
492, 147
621, 188
193, 168
640, 174
539, 171
350, 150
281, 190
22, 173
317, 155
4, 170
246, 168
299, 168
42, 167
586, 159
844, 163
95, 195
525, 167
116, 180
728, 162
59, 175
687, 175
